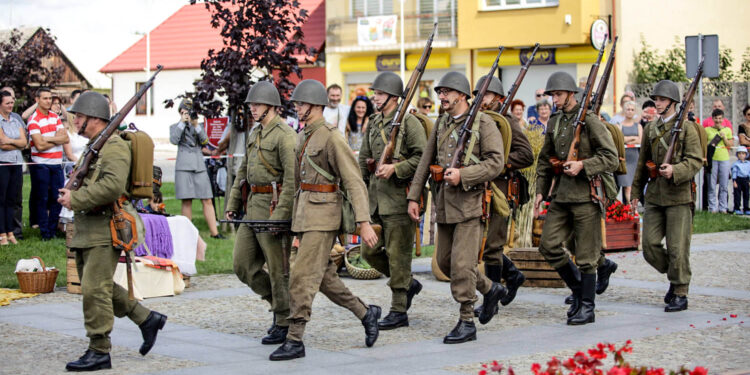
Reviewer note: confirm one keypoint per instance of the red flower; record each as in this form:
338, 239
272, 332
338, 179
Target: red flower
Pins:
497, 367
597, 353
535, 368
482, 372
699, 371
618, 371
510, 371
570, 364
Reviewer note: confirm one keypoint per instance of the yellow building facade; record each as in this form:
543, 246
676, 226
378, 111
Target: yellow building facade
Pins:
469, 33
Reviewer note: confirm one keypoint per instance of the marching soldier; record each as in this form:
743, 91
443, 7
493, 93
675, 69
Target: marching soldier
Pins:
323, 160
520, 156
459, 201
669, 196
268, 169
572, 210
387, 190
96, 258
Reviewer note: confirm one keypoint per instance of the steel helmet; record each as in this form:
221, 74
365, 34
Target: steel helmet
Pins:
455, 81
495, 86
264, 92
560, 81
666, 89
389, 83
310, 91
92, 104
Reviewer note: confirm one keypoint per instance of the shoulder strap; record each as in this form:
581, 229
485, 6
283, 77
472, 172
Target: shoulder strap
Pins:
469, 155
270, 169
320, 170
445, 135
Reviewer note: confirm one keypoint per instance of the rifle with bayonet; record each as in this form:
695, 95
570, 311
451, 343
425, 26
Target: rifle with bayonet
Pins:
517, 84
598, 98
403, 107
122, 225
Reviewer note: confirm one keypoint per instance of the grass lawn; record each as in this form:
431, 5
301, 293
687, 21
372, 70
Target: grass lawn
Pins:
219, 252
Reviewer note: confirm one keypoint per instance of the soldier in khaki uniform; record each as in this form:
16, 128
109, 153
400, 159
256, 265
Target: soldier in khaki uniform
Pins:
387, 191
572, 210
459, 201
669, 197
324, 162
520, 156
268, 168
96, 258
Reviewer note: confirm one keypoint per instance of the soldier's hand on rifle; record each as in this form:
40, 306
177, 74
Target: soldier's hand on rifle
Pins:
537, 203
230, 215
368, 234
573, 168
64, 198
666, 170
413, 210
385, 171
452, 176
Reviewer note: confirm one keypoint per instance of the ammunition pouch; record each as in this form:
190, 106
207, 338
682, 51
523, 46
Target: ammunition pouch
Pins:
436, 172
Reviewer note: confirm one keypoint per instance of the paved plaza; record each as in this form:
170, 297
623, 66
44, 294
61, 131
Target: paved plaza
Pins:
216, 325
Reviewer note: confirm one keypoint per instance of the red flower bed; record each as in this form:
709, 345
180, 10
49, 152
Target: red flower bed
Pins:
620, 212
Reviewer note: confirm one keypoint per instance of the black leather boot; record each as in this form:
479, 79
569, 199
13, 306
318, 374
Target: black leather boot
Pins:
494, 273
585, 313
670, 294
572, 278
289, 350
370, 322
393, 320
463, 331
491, 299
678, 303
273, 325
569, 299
414, 288
603, 273
513, 280
277, 336
149, 329
90, 361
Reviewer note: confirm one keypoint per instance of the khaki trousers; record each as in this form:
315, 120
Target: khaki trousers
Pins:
676, 224
251, 251
564, 220
497, 236
314, 270
102, 298
391, 256
457, 253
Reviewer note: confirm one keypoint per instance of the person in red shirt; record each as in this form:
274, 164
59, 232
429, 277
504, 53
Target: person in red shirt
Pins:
709, 122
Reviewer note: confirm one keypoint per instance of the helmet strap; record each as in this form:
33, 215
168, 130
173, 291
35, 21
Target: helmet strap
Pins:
265, 113
83, 128
664, 112
307, 113
385, 103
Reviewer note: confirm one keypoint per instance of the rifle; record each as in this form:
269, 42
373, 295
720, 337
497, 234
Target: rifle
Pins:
122, 225
282, 228
687, 98
403, 106
598, 98
514, 89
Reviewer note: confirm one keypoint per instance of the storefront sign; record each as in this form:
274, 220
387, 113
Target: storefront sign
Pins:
388, 63
376, 30
542, 57
599, 33
215, 128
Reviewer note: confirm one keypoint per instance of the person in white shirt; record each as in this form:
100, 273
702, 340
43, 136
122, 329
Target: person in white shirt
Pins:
335, 112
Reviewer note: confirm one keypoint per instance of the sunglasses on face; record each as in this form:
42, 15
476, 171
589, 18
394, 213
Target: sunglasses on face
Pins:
538, 95
427, 106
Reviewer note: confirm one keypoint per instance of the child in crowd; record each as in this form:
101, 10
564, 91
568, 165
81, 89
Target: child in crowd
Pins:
741, 181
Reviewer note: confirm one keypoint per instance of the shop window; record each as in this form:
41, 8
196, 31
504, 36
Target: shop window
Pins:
517, 4
367, 8
140, 107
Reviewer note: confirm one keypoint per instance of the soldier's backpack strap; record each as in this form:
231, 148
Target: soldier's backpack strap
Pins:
451, 130
320, 170
263, 161
426, 126
469, 155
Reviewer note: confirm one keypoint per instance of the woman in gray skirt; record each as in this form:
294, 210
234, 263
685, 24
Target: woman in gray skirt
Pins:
191, 177
632, 130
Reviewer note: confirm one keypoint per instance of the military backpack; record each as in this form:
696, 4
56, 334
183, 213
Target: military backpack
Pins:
142, 164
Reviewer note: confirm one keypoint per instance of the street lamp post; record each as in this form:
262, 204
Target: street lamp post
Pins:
403, 53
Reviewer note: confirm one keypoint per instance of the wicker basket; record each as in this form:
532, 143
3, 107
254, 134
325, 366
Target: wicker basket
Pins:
536, 231
356, 272
38, 282
337, 255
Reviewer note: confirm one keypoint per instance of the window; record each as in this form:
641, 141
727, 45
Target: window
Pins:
367, 8
518, 4
140, 107
441, 11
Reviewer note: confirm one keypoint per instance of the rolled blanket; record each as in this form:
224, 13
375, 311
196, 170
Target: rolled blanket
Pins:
158, 237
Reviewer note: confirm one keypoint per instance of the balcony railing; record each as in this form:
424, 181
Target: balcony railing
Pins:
342, 32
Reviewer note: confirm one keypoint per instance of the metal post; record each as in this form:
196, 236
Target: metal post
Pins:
148, 74
702, 176
403, 53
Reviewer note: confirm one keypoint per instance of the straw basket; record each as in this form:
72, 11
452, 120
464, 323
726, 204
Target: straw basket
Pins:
536, 231
37, 282
356, 272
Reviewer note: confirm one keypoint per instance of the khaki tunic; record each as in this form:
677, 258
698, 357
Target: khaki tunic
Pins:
668, 201
520, 156
96, 259
459, 207
388, 204
317, 219
572, 212
275, 142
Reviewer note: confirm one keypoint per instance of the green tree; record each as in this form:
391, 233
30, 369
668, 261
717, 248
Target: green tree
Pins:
744, 74
650, 66
725, 65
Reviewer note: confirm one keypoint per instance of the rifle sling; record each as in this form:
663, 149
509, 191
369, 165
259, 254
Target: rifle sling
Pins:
270, 169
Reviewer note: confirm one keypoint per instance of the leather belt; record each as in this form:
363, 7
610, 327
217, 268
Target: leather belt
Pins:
319, 188
263, 189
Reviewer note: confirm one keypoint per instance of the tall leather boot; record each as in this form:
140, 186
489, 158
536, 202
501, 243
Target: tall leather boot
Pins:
513, 280
585, 313
494, 273
572, 278
603, 273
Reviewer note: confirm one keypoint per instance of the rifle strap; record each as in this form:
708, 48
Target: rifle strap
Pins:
399, 139
320, 170
265, 163
469, 155
451, 130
